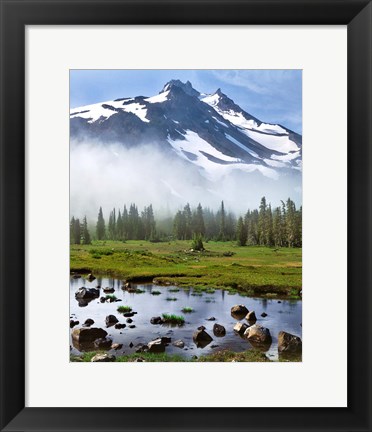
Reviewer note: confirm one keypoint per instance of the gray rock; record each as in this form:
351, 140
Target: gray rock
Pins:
211, 319
129, 320
251, 316
103, 343
120, 326
258, 334
108, 290
103, 358
84, 335
73, 323
91, 277
179, 343
111, 320
264, 314
201, 337
289, 343
219, 330
240, 328
156, 320
86, 293
116, 346
156, 346
88, 322
239, 311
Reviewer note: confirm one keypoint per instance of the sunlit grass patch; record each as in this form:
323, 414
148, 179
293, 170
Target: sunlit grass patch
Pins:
123, 309
173, 319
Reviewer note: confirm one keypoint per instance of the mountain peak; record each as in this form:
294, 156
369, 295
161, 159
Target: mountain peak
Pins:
186, 87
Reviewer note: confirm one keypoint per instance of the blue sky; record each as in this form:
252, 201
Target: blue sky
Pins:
273, 96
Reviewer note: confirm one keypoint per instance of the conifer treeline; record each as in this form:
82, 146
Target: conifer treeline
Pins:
281, 226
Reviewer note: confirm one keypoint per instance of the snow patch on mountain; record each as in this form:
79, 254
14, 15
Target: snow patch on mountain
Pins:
286, 157
161, 97
236, 142
109, 108
281, 143
195, 145
139, 110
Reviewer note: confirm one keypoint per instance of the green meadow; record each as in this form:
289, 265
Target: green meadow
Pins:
254, 270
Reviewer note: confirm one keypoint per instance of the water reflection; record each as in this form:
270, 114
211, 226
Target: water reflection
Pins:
283, 316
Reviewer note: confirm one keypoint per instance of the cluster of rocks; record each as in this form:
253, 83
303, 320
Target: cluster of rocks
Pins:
87, 293
155, 346
260, 336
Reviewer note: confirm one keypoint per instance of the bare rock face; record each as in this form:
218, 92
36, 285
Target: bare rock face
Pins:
288, 343
86, 335
219, 330
258, 334
240, 328
103, 358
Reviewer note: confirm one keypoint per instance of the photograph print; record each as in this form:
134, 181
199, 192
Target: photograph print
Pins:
185, 216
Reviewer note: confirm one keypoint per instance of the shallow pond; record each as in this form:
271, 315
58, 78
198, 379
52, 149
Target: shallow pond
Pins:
283, 315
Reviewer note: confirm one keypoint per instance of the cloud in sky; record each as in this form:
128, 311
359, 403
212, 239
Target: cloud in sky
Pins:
273, 96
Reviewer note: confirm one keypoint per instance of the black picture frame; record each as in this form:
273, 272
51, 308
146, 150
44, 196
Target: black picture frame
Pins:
15, 15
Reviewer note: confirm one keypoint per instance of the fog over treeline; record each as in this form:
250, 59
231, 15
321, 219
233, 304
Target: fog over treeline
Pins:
111, 175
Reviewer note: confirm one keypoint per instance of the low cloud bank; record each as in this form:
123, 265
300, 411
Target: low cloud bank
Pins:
112, 175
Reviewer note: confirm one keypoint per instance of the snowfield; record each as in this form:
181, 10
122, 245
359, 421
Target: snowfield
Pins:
213, 171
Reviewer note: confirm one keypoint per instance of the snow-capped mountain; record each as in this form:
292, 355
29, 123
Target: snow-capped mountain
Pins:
208, 131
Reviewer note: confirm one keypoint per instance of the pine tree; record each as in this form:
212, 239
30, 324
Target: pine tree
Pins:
179, 226
77, 232
100, 227
188, 221
85, 236
72, 228
222, 222
262, 222
198, 226
241, 232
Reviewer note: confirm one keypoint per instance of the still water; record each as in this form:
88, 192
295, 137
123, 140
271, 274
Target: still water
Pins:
282, 315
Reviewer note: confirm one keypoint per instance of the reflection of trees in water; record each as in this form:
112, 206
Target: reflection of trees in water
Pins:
264, 303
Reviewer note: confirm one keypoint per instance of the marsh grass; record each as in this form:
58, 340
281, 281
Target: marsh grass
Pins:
124, 309
173, 319
155, 292
111, 297
220, 356
174, 290
187, 309
171, 299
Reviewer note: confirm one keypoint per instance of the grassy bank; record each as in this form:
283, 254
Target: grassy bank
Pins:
250, 269
221, 356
